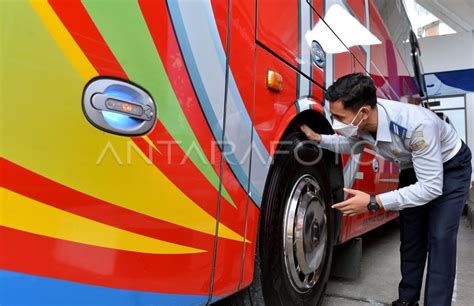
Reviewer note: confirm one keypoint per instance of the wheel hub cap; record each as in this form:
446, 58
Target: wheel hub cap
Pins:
305, 234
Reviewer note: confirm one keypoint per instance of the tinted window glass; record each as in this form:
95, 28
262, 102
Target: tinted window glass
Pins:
395, 17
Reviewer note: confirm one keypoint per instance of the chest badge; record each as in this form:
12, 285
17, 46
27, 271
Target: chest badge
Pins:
398, 130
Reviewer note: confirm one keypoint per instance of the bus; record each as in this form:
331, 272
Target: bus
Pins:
150, 149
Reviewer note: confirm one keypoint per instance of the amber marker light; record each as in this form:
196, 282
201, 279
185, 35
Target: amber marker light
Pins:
274, 81
127, 108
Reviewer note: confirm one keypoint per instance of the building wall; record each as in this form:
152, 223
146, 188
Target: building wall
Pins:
450, 53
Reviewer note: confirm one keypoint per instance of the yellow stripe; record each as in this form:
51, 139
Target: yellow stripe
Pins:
52, 137
28, 215
64, 40
150, 142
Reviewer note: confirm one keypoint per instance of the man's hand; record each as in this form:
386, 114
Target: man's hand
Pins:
354, 205
310, 133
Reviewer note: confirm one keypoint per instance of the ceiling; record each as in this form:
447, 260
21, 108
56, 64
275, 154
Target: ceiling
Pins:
458, 14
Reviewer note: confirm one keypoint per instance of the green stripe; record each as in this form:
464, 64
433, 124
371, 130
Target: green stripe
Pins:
126, 33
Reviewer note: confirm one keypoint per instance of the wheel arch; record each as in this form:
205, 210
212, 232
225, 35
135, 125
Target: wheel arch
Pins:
333, 162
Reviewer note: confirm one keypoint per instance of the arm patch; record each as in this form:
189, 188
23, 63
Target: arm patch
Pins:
419, 145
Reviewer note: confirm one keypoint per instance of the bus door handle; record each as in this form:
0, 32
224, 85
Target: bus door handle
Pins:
119, 107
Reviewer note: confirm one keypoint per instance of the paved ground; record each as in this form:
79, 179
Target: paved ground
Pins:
380, 272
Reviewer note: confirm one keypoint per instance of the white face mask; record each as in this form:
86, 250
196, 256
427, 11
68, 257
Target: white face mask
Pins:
347, 130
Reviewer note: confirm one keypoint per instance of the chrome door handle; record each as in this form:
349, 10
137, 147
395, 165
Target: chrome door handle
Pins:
104, 102
119, 107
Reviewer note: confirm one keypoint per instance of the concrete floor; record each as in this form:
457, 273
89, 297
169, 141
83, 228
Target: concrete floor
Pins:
380, 270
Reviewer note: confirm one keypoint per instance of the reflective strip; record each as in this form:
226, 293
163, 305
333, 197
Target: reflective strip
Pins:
304, 52
304, 104
389, 180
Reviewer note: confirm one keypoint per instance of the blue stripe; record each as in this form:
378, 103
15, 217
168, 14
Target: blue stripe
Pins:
242, 177
245, 116
194, 70
24, 289
232, 84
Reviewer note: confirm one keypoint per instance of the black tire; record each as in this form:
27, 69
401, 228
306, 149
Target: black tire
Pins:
272, 285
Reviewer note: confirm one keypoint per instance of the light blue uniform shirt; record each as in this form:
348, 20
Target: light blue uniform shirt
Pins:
412, 137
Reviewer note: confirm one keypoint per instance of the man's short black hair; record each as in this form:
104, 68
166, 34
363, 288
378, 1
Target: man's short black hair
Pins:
354, 90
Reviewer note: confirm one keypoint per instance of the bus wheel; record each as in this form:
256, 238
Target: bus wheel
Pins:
295, 243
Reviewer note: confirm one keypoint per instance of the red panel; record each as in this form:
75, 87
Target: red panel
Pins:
358, 8
373, 183
228, 268
364, 223
221, 11
285, 121
343, 64
271, 106
359, 53
278, 28
249, 249
242, 49
228, 261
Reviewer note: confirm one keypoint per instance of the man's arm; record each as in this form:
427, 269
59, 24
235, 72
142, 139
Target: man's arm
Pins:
335, 143
341, 144
428, 165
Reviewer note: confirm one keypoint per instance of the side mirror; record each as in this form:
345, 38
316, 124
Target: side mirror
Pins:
417, 65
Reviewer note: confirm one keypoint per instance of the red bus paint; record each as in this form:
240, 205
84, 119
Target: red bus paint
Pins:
184, 229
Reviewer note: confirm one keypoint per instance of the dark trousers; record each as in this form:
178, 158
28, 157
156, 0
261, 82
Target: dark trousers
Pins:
431, 231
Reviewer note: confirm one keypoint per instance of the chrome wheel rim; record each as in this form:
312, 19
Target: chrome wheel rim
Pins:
304, 234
